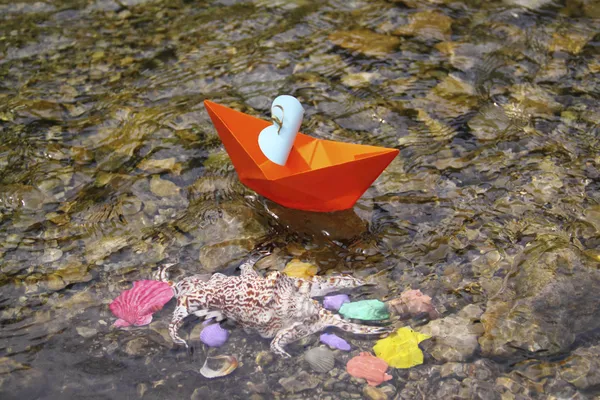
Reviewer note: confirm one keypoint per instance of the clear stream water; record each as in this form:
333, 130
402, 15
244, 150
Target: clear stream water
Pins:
110, 166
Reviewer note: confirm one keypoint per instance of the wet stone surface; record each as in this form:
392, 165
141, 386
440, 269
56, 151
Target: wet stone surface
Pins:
110, 166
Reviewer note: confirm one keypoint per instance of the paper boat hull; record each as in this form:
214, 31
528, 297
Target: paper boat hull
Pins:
320, 175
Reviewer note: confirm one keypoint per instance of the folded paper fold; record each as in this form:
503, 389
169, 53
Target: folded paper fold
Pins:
319, 175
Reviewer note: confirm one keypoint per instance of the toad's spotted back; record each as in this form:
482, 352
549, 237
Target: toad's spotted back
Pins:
277, 306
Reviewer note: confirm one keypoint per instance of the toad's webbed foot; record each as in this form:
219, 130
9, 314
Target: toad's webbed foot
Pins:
162, 273
208, 315
247, 267
322, 285
280, 351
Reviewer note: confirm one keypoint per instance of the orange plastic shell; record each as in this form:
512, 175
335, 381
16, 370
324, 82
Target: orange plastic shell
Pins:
320, 175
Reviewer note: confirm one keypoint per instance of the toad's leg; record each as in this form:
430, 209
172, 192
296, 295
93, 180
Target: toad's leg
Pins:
162, 274
327, 318
181, 311
247, 267
217, 315
302, 329
291, 334
323, 320
321, 285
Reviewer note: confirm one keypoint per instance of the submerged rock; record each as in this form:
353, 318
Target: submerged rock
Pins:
163, 188
570, 41
157, 166
146, 345
264, 359
227, 235
532, 4
73, 273
215, 256
454, 338
582, 368
536, 100
543, 308
373, 393
299, 382
20, 381
428, 25
86, 331
365, 41
490, 123
51, 255
8, 365
359, 79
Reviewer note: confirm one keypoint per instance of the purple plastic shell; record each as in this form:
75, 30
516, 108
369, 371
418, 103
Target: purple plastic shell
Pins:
335, 302
214, 336
335, 341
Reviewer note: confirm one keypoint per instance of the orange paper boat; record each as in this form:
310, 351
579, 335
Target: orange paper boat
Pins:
320, 175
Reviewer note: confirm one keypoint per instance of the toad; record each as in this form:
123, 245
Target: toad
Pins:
277, 306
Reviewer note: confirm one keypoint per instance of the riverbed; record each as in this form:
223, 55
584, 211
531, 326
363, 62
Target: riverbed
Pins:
110, 167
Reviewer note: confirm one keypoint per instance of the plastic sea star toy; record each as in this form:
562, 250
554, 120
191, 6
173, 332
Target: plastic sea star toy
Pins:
277, 306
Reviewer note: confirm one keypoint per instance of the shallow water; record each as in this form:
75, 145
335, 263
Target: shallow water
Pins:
110, 166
